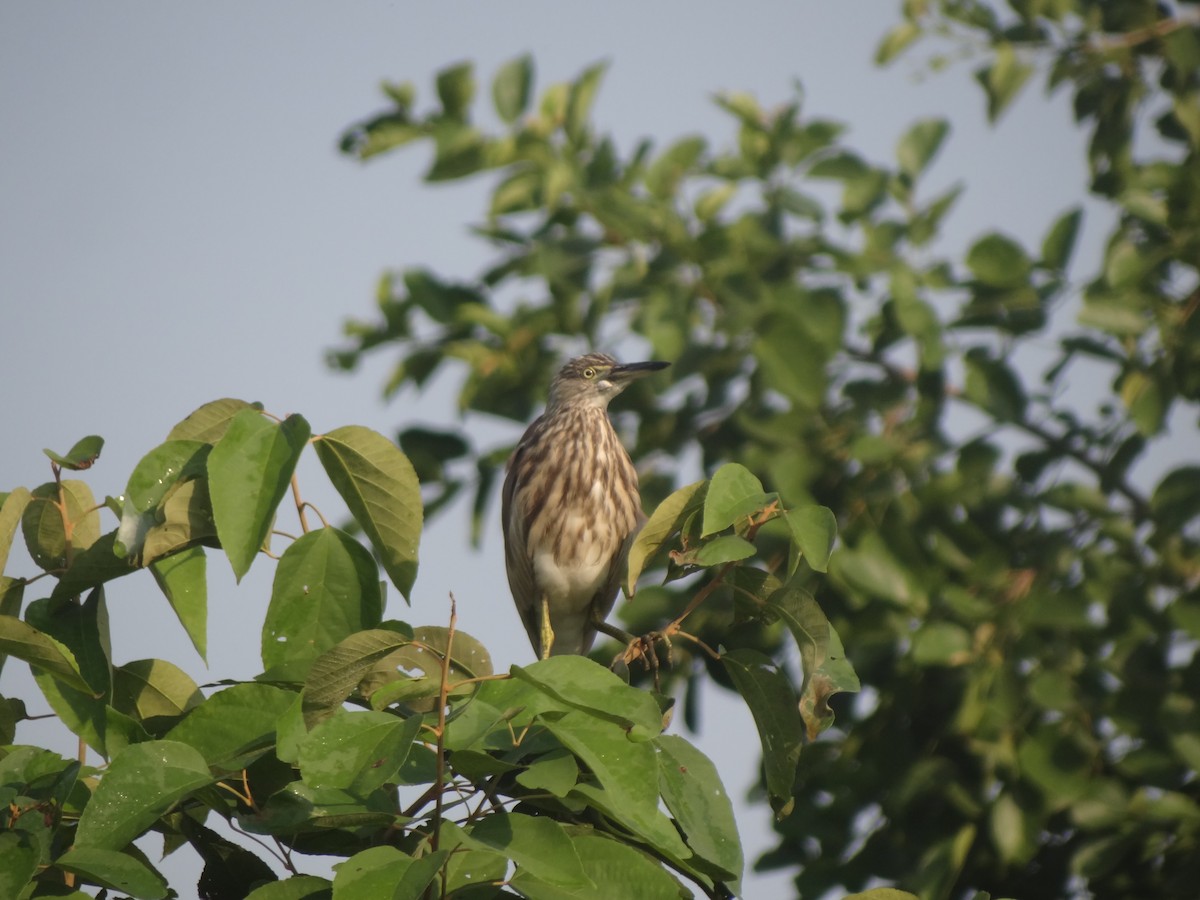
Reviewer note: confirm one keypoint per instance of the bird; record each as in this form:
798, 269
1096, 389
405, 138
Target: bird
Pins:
570, 507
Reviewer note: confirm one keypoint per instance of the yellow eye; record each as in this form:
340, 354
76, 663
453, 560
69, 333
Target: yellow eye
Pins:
589, 372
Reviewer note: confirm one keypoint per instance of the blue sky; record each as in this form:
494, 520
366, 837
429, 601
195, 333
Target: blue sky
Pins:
176, 225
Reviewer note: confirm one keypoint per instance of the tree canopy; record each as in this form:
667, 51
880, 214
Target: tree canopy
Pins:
1016, 586
878, 464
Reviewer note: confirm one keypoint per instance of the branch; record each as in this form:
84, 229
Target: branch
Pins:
1139, 505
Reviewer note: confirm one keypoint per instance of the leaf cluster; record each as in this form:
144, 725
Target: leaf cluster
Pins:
1017, 578
395, 748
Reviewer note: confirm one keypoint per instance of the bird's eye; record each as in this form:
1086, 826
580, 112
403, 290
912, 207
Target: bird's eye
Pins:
589, 373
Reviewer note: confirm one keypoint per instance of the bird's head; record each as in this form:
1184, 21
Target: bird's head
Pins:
594, 379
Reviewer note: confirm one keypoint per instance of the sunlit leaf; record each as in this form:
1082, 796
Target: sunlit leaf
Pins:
11, 510
579, 683
356, 751
733, 493
381, 489
182, 577
512, 86
43, 528
665, 521
141, 783
920, 144
112, 869
538, 845
233, 725
337, 672
150, 688
81, 456
326, 588
249, 471
210, 422
41, 651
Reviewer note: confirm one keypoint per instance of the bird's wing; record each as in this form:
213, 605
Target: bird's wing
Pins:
516, 554
606, 598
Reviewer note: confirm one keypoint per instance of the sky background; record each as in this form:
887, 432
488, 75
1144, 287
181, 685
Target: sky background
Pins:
177, 225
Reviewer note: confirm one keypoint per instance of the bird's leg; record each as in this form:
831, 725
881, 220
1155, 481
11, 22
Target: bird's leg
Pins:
547, 632
637, 646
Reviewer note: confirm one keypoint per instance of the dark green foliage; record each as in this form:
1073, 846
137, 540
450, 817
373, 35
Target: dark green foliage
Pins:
1021, 601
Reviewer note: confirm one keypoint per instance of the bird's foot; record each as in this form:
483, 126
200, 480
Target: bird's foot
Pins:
644, 647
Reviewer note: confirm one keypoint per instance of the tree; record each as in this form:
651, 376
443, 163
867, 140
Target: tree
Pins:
394, 747
1017, 585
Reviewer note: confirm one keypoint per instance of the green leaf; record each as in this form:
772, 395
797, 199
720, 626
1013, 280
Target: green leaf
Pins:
150, 688
895, 41
470, 659
733, 493
383, 494
626, 777
941, 644
155, 474
184, 520
83, 629
718, 551
578, 683
11, 511
579, 100
456, 89
22, 857
42, 523
42, 652
1059, 242
998, 261
1058, 761
326, 588
1003, 79
298, 887
233, 726
789, 359
182, 577
94, 566
1145, 397
115, 870
249, 471
82, 456
624, 871
665, 521
385, 872
920, 144
1114, 315
556, 772
881, 894
356, 751
538, 845
209, 423
337, 672
814, 530
141, 783
872, 569
88, 716
511, 88
692, 789
1176, 499
12, 593
993, 386
769, 695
